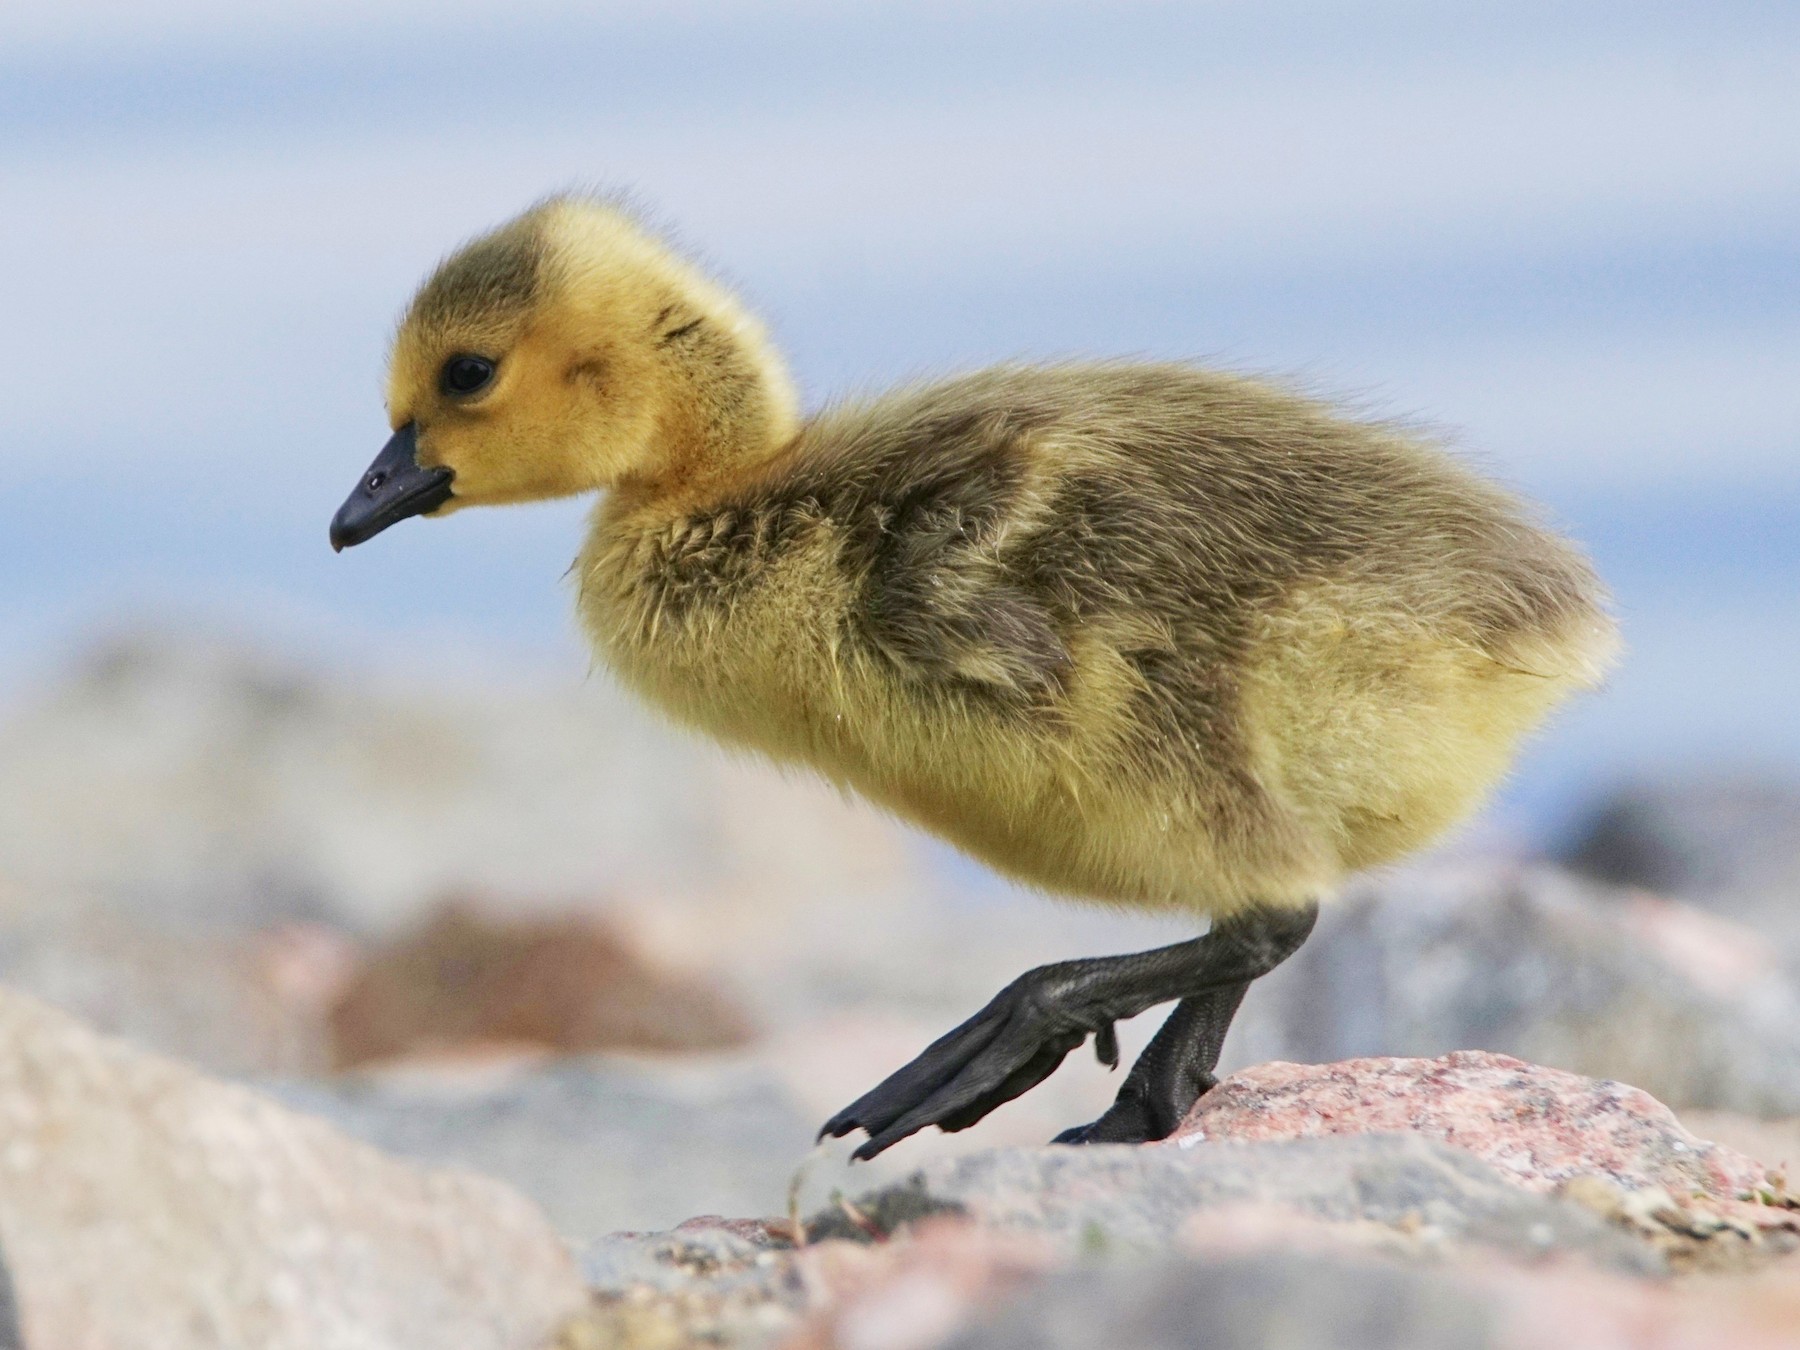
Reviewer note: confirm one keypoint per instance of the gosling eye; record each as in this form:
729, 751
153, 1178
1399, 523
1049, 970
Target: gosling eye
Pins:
465, 374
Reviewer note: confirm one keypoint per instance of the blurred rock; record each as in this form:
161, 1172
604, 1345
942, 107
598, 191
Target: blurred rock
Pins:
600, 1144
1298, 1301
197, 784
1558, 1309
918, 1292
206, 782
1345, 1301
232, 1003
569, 984
1311, 1297
641, 1142
1545, 966
1775, 1143
146, 1207
1731, 845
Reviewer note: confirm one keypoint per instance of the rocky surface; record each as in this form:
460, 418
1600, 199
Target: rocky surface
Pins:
949, 1285
1528, 961
234, 857
1471, 1200
144, 1206
1303, 1207
1552, 968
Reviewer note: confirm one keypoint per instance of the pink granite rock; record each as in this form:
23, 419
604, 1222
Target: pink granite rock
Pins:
1540, 1127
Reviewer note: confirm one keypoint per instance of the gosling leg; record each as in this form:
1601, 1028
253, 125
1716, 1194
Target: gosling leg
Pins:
1177, 1066
1026, 1031
1174, 1071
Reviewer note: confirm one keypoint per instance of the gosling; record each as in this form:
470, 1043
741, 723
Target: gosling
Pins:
1140, 634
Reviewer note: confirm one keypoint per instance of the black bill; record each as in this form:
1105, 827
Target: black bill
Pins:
394, 488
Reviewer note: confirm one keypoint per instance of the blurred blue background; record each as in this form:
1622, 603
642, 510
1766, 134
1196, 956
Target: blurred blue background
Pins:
1567, 233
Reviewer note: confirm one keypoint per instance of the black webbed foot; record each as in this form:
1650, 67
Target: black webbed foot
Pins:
1000, 1053
1137, 1119
1020, 1038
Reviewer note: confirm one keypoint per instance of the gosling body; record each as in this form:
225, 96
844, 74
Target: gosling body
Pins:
1144, 635
1141, 634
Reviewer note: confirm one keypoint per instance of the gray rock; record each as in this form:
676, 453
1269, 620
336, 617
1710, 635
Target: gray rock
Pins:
1139, 1199
1295, 1301
1545, 966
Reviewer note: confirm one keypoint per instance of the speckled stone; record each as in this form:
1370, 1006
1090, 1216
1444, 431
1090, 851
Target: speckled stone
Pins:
1538, 1127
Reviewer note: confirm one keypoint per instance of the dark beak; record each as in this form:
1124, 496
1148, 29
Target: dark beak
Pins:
394, 488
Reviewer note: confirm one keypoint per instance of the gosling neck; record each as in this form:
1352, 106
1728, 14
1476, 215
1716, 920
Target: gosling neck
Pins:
731, 411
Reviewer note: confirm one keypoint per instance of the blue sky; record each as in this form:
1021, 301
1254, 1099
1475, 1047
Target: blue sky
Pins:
1568, 233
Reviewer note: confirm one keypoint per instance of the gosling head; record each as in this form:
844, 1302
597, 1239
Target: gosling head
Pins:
566, 352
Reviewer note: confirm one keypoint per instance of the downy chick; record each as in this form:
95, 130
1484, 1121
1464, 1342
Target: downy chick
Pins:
1146, 635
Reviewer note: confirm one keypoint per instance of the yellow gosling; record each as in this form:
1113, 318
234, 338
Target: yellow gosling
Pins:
1145, 635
